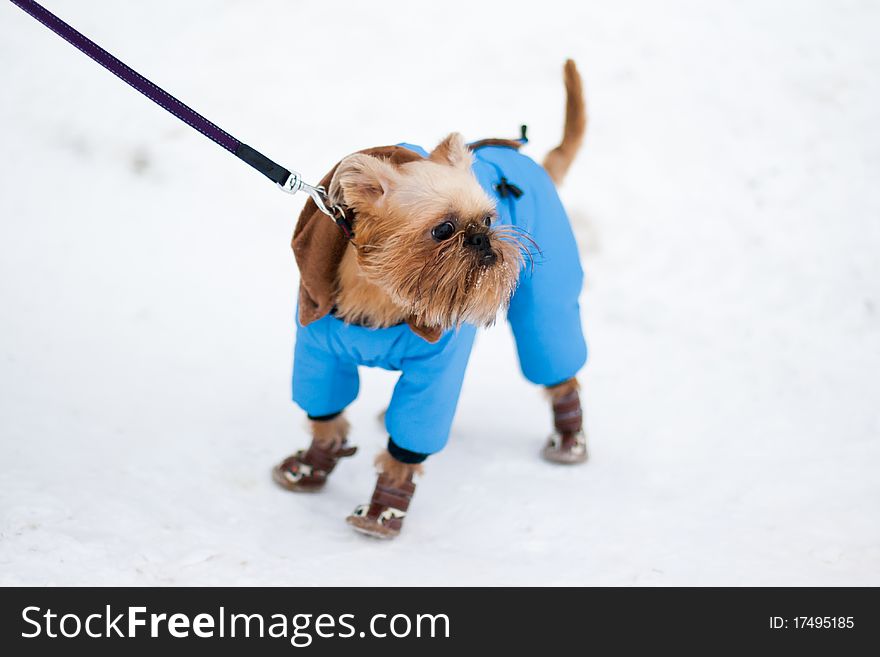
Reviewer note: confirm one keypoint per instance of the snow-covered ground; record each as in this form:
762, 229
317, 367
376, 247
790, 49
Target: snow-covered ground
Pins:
728, 205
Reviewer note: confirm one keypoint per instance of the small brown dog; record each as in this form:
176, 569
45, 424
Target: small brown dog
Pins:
439, 244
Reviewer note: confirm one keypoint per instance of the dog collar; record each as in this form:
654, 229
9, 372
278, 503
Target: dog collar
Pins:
340, 218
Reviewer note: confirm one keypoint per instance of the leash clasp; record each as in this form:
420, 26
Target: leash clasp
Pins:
295, 183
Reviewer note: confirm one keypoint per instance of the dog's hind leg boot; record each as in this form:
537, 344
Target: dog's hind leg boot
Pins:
568, 443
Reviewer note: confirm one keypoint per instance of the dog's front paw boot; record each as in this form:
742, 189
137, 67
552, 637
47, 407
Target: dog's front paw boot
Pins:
568, 444
307, 470
383, 516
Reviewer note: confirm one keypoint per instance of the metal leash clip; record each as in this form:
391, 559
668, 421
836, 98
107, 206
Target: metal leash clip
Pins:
295, 183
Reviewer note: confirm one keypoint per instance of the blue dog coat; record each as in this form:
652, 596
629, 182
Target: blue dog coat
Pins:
544, 315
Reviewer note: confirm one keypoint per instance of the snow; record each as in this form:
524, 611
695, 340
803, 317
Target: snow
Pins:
728, 208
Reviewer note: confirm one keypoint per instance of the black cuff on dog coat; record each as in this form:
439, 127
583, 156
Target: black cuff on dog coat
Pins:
325, 418
404, 455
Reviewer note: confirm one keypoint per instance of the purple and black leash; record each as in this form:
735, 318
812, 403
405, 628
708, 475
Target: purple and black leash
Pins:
288, 181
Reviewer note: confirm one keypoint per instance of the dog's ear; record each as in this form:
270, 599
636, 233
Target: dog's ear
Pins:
362, 180
452, 151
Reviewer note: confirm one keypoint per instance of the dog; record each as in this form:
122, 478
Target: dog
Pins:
440, 242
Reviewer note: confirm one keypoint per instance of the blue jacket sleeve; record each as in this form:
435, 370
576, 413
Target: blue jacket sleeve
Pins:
426, 395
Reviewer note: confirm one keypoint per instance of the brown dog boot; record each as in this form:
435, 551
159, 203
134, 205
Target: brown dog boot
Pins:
568, 444
307, 470
383, 516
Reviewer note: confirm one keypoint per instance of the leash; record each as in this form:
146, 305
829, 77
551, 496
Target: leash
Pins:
288, 181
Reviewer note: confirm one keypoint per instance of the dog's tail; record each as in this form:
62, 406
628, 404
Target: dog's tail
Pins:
560, 158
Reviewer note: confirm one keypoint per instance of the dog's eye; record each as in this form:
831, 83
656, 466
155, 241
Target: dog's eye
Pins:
488, 220
443, 231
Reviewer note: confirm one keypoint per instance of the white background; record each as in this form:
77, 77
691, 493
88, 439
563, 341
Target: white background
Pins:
726, 201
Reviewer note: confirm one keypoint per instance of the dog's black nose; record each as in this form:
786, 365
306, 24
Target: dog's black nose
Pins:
480, 243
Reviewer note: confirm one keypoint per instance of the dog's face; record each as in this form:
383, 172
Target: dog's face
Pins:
426, 235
